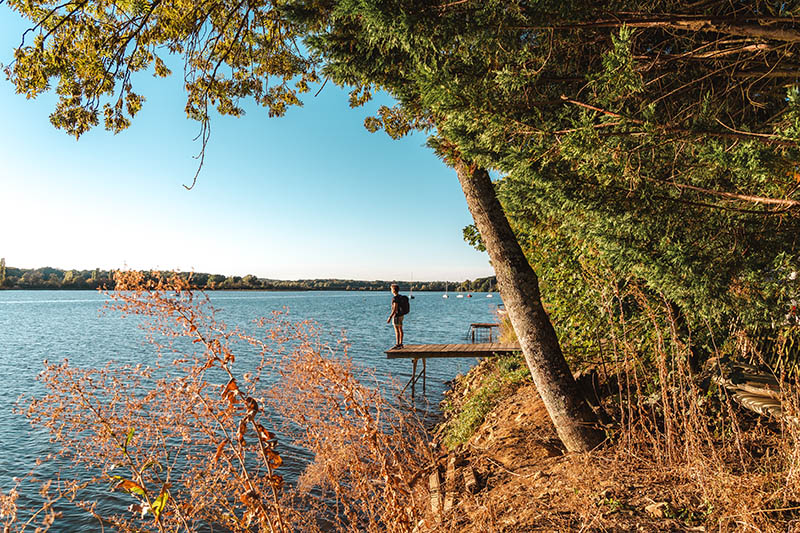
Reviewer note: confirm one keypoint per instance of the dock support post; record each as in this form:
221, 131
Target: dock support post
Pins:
413, 375
424, 374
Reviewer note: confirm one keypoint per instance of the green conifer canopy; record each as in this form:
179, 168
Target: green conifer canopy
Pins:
658, 140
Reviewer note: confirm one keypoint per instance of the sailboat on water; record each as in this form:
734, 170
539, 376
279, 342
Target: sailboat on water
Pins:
445, 291
411, 287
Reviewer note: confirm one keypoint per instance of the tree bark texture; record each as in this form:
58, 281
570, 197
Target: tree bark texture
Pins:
518, 284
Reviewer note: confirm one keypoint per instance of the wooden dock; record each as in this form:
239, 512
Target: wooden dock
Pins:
426, 351
415, 352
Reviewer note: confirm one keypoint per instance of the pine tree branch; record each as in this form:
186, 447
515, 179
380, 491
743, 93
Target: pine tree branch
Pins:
599, 110
733, 134
753, 27
627, 193
451, 4
782, 202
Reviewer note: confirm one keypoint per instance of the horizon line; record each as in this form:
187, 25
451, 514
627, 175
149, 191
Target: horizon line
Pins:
179, 271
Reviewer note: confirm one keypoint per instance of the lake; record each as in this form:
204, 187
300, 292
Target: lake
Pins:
57, 325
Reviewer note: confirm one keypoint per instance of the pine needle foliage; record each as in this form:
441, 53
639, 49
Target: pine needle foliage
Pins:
658, 140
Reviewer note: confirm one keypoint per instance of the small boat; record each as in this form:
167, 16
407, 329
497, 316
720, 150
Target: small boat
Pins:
445, 291
469, 295
489, 295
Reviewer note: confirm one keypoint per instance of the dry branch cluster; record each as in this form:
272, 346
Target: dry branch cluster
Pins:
190, 437
733, 470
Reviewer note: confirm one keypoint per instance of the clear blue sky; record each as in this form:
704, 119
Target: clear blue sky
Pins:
309, 195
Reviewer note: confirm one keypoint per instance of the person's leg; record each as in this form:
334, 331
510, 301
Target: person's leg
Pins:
400, 334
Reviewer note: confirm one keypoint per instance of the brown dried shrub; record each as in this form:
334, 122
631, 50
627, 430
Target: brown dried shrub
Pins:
730, 469
187, 438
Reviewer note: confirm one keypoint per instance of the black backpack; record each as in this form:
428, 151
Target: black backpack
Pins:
403, 306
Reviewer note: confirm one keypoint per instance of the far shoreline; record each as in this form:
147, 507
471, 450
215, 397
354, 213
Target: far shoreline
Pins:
49, 278
236, 289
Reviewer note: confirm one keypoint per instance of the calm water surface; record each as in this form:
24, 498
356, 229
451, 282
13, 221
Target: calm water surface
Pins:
54, 325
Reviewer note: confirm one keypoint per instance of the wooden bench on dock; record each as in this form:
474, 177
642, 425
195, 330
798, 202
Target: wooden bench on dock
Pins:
415, 352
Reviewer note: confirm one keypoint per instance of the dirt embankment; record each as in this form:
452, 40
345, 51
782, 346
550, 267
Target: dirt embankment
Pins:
524, 481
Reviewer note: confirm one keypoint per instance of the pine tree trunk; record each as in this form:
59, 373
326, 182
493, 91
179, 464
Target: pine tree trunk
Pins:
518, 284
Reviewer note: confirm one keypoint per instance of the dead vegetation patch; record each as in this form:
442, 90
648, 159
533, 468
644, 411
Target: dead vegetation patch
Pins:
525, 481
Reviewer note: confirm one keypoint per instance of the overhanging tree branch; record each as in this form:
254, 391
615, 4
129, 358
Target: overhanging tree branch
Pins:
733, 134
753, 27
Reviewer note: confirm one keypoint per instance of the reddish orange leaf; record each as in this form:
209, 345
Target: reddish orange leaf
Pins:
252, 406
274, 459
241, 431
130, 486
250, 497
210, 363
230, 392
220, 447
263, 434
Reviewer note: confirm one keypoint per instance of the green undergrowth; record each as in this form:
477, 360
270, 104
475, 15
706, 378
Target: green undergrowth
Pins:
475, 394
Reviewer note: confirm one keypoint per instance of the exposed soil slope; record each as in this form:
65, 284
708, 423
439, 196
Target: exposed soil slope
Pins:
525, 482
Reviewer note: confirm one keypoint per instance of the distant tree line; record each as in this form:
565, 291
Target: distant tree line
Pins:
55, 278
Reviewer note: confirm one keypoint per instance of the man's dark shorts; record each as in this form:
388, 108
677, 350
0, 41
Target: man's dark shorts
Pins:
397, 320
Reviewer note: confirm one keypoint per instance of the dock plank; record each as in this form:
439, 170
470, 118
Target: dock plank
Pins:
425, 351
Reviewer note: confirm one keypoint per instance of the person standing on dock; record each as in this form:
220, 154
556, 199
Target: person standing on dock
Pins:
400, 307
